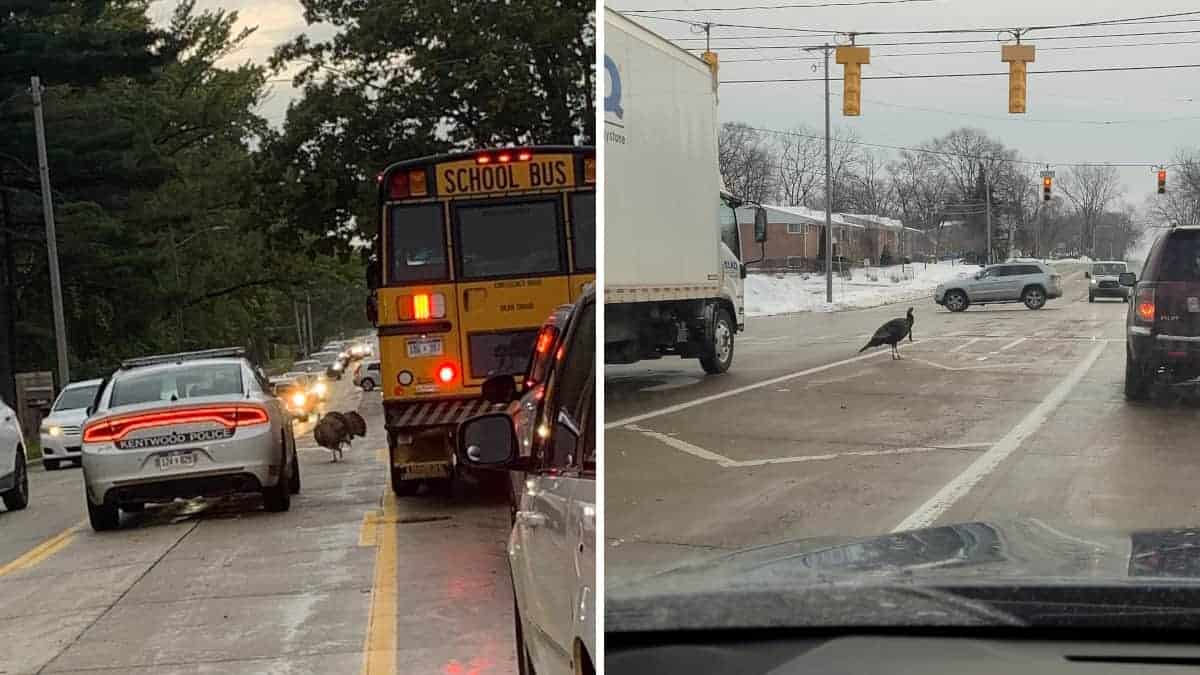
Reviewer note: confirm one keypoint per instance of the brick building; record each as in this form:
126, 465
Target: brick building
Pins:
794, 237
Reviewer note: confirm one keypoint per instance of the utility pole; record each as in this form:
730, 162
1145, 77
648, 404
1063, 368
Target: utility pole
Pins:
308, 303
299, 328
828, 193
60, 323
987, 195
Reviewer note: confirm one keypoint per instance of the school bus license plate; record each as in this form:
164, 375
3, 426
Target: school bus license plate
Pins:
424, 347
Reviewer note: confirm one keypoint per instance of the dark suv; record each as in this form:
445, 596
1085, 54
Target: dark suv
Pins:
1163, 326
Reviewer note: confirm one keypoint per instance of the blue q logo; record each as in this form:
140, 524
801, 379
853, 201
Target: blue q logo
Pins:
612, 102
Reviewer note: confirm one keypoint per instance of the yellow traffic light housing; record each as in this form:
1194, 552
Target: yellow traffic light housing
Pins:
1016, 56
852, 58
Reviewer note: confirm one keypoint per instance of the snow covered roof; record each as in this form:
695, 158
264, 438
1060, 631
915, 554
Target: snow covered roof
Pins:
807, 216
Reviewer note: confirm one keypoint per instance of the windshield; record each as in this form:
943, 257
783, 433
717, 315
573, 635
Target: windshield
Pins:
174, 384
76, 398
583, 227
928, 373
498, 240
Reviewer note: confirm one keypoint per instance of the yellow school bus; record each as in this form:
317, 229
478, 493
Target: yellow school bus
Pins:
475, 250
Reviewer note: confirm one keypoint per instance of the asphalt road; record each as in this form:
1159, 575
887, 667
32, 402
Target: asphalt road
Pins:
995, 413
349, 580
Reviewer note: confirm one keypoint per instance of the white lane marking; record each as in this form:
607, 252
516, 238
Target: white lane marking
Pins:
1063, 535
966, 344
957, 488
727, 463
1014, 343
683, 446
741, 390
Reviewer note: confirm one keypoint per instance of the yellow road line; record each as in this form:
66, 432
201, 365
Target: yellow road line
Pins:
42, 551
379, 649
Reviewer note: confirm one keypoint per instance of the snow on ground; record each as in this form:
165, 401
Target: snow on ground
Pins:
768, 294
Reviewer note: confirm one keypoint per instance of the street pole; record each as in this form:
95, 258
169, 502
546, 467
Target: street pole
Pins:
60, 323
178, 287
987, 195
308, 304
828, 193
299, 328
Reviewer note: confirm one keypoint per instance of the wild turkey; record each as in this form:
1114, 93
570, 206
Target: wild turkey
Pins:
892, 333
358, 426
334, 431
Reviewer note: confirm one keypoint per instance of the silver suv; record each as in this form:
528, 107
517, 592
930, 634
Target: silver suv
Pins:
1031, 283
201, 424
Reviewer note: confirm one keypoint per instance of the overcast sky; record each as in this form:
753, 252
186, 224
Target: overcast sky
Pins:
1066, 114
277, 22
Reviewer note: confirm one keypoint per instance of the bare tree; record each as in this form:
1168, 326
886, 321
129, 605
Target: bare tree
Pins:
1181, 204
1090, 190
869, 190
747, 162
801, 167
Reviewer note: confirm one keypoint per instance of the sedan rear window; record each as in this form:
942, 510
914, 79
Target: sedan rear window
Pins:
174, 384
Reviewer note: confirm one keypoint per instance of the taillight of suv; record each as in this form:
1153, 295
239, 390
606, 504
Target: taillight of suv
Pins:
1144, 305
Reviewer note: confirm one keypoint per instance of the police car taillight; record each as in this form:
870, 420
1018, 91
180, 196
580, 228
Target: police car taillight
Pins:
228, 416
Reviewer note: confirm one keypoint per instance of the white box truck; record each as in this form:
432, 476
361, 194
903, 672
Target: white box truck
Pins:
673, 269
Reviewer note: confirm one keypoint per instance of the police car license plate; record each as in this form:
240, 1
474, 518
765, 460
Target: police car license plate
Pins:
176, 460
424, 347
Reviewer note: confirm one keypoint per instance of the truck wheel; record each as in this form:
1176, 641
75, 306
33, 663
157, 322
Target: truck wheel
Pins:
1137, 381
718, 353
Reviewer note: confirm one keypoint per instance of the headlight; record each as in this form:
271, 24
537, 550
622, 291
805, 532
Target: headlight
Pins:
319, 388
337, 366
298, 399
54, 430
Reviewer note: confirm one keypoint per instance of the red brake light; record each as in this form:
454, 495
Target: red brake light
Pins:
544, 340
1145, 305
504, 157
230, 417
399, 185
446, 373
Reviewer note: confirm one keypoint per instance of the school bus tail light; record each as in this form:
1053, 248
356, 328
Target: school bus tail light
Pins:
408, 184
524, 156
421, 306
447, 373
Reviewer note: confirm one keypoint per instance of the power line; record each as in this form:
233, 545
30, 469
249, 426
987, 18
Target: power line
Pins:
957, 75
959, 42
967, 51
819, 5
948, 153
1032, 120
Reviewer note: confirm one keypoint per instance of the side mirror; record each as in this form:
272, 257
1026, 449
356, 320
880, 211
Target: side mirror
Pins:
373, 274
90, 409
760, 224
1127, 278
487, 441
500, 389
1087, 275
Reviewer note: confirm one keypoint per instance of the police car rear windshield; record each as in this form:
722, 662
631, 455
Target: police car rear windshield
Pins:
177, 384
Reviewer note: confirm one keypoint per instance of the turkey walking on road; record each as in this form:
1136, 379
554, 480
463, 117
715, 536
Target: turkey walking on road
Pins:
892, 333
333, 432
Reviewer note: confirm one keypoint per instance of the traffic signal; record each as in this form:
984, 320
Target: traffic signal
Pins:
852, 58
1047, 182
1162, 181
1016, 56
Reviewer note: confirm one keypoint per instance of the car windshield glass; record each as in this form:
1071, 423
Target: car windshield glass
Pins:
498, 240
76, 398
173, 384
1108, 269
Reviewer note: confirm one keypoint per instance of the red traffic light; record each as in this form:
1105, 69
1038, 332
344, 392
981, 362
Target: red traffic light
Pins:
1162, 181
